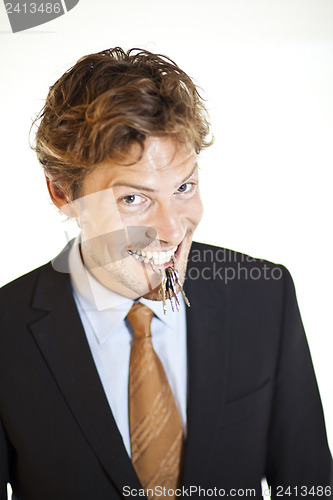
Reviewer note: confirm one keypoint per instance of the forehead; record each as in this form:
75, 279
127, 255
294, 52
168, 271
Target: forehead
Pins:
161, 153
164, 160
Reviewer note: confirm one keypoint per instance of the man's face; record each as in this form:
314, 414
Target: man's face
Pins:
150, 208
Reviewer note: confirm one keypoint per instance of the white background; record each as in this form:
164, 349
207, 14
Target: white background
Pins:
266, 67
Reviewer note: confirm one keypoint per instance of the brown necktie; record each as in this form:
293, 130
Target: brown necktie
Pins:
155, 427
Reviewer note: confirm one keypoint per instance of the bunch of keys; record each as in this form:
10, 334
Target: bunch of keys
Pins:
170, 280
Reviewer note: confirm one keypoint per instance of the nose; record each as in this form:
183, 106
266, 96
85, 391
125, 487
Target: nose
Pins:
168, 225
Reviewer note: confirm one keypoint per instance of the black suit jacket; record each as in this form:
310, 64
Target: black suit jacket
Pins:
253, 405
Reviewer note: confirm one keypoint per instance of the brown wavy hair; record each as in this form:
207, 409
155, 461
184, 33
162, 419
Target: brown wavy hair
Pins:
105, 103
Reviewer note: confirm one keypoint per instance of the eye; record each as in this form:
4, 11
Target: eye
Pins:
185, 188
133, 199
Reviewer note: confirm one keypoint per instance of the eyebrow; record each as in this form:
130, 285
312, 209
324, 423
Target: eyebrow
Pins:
139, 187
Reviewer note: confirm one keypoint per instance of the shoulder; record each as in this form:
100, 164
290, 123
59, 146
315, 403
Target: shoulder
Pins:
22, 300
22, 287
50, 277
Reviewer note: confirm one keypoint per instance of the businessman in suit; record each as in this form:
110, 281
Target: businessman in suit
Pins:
103, 395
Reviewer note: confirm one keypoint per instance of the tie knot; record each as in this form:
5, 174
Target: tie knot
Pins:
140, 317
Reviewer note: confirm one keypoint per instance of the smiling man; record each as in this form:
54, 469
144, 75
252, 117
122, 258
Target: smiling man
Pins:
111, 385
159, 193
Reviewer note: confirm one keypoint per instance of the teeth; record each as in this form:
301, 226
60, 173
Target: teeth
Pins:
156, 258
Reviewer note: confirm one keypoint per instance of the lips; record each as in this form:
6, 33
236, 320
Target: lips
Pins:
155, 258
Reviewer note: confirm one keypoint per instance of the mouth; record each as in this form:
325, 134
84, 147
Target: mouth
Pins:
165, 265
160, 260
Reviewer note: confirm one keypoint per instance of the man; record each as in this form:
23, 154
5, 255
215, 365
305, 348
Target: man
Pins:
103, 395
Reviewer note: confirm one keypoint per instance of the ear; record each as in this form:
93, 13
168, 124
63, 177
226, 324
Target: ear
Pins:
60, 199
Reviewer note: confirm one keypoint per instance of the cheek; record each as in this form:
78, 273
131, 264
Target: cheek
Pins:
195, 210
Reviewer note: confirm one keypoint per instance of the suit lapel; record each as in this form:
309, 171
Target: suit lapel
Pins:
207, 334
62, 341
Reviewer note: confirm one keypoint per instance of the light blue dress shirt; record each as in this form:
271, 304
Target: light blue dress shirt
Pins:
103, 314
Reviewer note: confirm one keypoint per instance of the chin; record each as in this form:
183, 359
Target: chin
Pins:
155, 294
